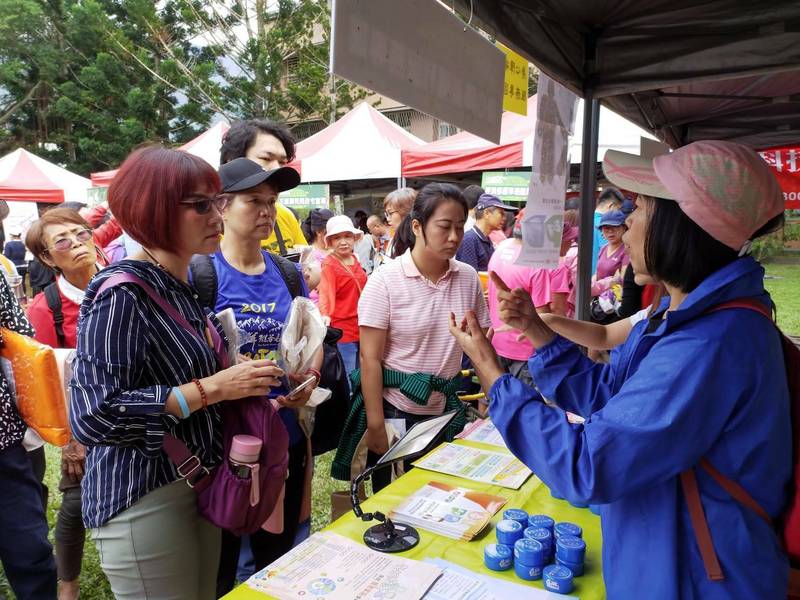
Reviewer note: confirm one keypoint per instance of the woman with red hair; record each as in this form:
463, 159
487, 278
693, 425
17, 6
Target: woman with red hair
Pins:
142, 380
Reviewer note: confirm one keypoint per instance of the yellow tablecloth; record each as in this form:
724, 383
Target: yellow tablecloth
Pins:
533, 496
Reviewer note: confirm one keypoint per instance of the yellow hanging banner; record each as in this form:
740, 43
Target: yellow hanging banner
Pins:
515, 82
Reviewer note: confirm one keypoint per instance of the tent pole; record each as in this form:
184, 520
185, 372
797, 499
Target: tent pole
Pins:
591, 119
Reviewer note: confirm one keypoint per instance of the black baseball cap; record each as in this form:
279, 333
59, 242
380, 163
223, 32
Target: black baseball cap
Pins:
243, 174
489, 201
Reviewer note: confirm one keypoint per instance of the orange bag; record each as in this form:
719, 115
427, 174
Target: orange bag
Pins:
40, 393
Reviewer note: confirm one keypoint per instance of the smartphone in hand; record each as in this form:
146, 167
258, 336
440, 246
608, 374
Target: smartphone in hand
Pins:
301, 387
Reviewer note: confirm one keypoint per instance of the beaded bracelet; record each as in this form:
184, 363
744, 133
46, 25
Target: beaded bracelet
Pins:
202, 391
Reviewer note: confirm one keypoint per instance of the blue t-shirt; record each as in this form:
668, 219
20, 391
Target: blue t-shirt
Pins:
598, 240
261, 305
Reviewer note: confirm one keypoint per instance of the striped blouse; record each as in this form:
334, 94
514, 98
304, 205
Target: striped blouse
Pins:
129, 355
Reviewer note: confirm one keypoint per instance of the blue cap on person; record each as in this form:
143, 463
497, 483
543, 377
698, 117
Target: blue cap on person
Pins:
243, 174
489, 201
627, 206
613, 218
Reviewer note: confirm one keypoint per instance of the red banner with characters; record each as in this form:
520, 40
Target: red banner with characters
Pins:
785, 163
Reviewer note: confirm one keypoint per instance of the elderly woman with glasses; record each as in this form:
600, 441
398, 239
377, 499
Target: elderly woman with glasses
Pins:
143, 381
396, 206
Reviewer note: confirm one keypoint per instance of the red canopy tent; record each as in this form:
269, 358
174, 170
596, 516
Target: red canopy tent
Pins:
465, 151
28, 178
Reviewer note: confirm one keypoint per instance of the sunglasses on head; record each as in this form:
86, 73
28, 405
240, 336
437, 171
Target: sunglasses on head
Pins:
203, 204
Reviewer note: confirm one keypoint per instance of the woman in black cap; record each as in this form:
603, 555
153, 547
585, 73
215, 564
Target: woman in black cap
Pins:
259, 287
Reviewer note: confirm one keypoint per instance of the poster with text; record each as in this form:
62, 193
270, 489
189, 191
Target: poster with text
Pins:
544, 211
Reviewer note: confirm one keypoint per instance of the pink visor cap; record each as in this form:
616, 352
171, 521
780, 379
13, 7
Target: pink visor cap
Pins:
724, 187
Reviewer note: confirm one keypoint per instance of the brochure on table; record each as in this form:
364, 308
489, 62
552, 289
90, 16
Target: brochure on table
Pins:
328, 566
454, 512
483, 431
496, 468
460, 583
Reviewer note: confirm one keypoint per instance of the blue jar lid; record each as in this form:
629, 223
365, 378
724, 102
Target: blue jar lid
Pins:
558, 578
497, 557
571, 548
595, 508
540, 534
528, 572
542, 521
555, 494
528, 552
508, 532
565, 528
557, 572
579, 504
516, 514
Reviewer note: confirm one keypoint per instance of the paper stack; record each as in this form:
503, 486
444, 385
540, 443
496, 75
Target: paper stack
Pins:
496, 468
453, 512
328, 566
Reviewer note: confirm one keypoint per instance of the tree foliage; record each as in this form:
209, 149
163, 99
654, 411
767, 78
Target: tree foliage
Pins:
83, 82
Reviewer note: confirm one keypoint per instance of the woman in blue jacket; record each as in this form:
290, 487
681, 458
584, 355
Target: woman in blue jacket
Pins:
689, 383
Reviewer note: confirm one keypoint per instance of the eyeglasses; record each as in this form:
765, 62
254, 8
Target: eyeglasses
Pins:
389, 213
203, 204
65, 243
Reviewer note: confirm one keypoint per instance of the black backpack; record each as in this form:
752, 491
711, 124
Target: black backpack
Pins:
54, 303
331, 415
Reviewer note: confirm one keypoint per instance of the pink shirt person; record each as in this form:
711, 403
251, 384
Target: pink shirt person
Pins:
534, 281
415, 314
610, 268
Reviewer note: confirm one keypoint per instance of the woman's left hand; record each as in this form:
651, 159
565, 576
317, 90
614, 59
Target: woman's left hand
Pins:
478, 347
73, 456
300, 398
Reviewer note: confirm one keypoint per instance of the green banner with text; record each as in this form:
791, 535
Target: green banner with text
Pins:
307, 195
511, 188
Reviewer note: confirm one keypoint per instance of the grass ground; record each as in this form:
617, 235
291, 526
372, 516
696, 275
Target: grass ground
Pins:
783, 283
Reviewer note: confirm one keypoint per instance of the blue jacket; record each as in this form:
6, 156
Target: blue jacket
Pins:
701, 385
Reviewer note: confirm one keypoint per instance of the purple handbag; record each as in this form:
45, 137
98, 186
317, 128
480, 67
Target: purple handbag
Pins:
240, 506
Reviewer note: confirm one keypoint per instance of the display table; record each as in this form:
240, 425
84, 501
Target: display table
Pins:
533, 496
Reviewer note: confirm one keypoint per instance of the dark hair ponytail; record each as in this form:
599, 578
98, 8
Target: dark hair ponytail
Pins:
315, 222
428, 200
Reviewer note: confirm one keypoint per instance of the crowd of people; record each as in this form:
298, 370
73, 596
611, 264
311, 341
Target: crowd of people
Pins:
419, 290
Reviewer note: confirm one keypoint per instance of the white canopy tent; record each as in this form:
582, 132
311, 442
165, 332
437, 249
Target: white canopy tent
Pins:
363, 144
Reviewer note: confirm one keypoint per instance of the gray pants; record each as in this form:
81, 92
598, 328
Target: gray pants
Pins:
160, 548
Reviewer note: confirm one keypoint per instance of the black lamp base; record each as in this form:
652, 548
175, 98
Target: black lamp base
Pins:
391, 537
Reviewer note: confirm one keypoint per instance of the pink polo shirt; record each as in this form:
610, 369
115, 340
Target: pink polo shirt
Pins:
415, 314
534, 281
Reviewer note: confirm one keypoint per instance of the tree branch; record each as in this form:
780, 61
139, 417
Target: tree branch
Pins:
22, 102
169, 84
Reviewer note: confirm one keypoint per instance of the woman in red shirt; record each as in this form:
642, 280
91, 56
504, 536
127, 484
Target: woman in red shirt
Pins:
341, 285
63, 241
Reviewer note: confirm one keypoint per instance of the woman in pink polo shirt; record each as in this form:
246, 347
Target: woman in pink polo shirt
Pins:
403, 318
